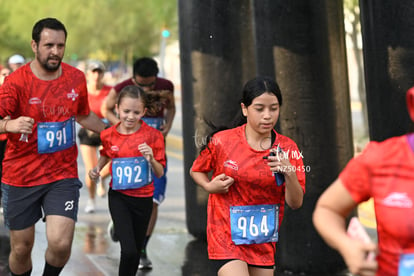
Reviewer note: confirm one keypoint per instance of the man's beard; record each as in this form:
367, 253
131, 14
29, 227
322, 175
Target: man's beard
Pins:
47, 66
51, 68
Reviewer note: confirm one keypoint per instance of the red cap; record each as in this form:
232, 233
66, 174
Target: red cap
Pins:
410, 103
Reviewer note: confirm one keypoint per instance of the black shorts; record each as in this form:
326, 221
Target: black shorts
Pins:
88, 137
24, 206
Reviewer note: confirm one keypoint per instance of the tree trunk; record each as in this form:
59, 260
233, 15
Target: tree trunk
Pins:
217, 58
311, 68
387, 31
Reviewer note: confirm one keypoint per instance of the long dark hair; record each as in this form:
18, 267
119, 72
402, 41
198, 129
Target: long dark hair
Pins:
251, 90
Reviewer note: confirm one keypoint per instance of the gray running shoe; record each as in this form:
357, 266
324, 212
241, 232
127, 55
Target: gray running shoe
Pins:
145, 263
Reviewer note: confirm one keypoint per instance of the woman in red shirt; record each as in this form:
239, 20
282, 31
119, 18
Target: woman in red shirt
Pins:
384, 171
90, 141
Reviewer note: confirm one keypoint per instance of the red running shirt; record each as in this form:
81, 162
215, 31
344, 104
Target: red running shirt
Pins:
96, 101
385, 172
117, 145
228, 152
23, 94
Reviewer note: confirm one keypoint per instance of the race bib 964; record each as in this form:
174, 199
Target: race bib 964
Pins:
254, 224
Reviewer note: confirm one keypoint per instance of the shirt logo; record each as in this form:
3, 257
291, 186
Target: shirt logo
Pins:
231, 164
35, 100
72, 95
114, 148
400, 200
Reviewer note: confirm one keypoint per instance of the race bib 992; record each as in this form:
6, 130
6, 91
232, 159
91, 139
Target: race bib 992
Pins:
130, 173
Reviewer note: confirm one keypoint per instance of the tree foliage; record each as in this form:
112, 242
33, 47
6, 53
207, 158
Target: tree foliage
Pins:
104, 29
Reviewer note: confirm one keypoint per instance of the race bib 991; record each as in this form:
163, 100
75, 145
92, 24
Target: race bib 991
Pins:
55, 136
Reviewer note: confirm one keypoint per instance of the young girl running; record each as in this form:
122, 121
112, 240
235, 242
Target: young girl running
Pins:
135, 150
248, 187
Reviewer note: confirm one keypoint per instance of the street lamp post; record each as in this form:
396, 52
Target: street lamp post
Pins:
164, 35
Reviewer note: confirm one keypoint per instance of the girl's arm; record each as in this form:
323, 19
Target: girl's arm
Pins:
157, 167
294, 192
219, 184
149, 155
329, 218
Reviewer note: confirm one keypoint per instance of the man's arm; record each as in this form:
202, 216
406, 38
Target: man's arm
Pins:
23, 125
91, 122
108, 107
169, 115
